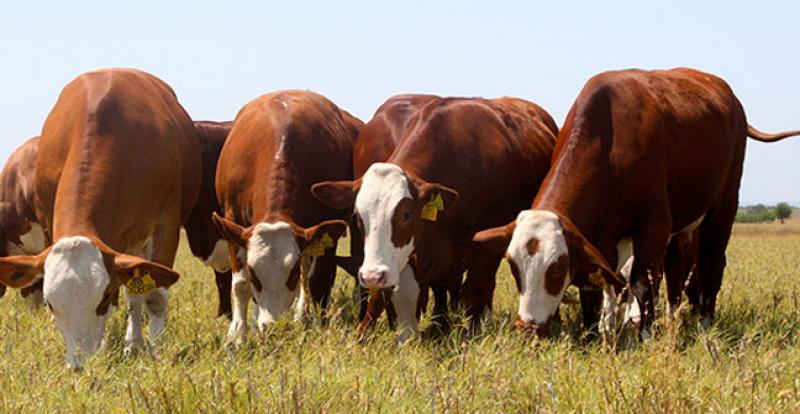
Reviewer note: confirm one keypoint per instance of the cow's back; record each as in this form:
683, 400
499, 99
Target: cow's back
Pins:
117, 141
17, 210
380, 136
200, 231
677, 132
495, 153
282, 143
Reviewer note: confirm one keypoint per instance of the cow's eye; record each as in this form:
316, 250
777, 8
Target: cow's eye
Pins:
406, 215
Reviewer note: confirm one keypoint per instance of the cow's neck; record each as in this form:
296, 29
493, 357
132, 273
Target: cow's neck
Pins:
279, 198
580, 188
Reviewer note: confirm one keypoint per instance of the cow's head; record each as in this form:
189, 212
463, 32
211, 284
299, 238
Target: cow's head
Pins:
271, 255
545, 252
390, 207
81, 278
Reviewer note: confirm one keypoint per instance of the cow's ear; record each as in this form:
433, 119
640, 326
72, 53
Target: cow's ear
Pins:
230, 231
139, 275
22, 271
321, 237
495, 240
441, 196
340, 195
585, 256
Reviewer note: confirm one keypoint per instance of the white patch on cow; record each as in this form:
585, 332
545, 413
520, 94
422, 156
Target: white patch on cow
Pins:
694, 225
301, 303
240, 295
404, 300
383, 186
32, 242
536, 304
272, 253
279, 152
624, 252
219, 259
74, 282
134, 340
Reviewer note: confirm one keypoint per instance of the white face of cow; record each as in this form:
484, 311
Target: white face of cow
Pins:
538, 253
272, 256
75, 280
383, 202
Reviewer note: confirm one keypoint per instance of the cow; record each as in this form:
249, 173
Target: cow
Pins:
282, 239
205, 241
464, 164
375, 143
117, 173
20, 231
642, 156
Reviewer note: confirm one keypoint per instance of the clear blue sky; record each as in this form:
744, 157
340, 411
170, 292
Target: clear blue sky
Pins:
219, 55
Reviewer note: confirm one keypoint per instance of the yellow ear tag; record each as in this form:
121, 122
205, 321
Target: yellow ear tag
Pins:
431, 209
140, 283
317, 248
327, 241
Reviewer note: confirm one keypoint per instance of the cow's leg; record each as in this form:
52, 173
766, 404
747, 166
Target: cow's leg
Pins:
715, 232
440, 312
404, 302
608, 319
675, 273
478, 290
649, 246
377, 303
134, 340
321, 279
591, 302
156, 304
356, 259
223, 281
240, 288
165, 246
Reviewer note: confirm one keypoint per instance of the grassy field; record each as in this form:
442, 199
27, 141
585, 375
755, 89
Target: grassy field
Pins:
749, 361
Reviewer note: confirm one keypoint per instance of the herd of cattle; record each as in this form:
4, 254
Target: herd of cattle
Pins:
431, 188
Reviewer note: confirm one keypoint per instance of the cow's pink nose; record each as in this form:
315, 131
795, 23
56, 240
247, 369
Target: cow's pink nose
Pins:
372, 279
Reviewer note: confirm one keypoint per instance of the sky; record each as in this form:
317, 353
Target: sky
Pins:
220, 55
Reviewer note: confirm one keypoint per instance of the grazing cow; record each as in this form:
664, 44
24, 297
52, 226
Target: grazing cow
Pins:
20, 232
642, 156
205, 241
376, 142
117, 173
490, 155
283, 238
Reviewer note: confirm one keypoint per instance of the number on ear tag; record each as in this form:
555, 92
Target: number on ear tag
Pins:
140, 283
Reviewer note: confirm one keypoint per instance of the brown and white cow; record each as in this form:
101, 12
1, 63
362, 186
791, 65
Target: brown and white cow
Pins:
642, 156
117, 173
20, 231
281, 143
376, 142
488, 154
205, 241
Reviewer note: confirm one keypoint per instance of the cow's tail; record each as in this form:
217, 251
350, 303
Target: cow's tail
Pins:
765, 137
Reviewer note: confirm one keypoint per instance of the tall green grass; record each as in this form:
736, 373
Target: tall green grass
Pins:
749, 361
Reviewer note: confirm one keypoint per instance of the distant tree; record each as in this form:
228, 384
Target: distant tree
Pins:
783, 212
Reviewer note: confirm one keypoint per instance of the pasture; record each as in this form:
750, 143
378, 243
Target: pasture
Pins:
749, 361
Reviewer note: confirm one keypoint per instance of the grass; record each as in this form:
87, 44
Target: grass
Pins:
749, 361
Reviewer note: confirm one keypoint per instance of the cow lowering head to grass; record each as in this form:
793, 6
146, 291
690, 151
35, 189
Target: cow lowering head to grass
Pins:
282, 239
117, 173
643, 156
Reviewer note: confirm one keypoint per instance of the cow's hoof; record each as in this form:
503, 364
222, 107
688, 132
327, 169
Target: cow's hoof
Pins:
405, 336
237, 334
705, 322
